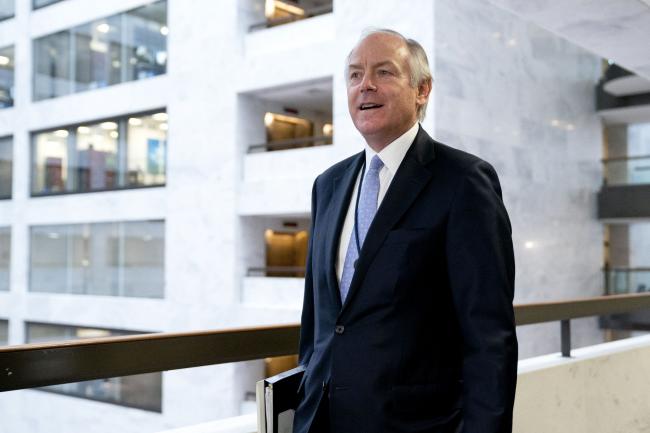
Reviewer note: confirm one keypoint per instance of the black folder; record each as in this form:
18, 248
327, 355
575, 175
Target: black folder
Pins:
277, 400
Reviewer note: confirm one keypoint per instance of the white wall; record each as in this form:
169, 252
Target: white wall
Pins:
501, 86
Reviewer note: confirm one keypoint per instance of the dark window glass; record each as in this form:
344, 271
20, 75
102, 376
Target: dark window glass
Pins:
97, 53
123, 47
52, 72
142, 391
42, 3
4, 332
147, 149
7, 9
146, 38
7, 76
110, 259
5, 257
6, 159
121, 153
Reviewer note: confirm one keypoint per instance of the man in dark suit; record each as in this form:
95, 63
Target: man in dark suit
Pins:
407, 322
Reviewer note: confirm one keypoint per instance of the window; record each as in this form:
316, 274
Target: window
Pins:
6, 76
628, 154
4, 332
142, 391
36, 4
7, 9
5, 257
127, 152
278, 12
109, 259
123, 47
6, 158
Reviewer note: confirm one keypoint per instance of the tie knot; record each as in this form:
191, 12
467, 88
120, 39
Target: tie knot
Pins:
375, 163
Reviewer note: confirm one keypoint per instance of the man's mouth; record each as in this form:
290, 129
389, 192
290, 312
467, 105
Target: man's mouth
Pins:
369, 106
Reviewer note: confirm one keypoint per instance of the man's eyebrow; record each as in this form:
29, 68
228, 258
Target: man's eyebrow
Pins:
375, 65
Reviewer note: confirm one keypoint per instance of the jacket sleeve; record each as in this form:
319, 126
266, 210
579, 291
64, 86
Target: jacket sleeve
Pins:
307, 319
481, 274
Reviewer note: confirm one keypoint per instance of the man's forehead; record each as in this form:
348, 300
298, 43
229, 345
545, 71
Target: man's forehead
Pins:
378, 49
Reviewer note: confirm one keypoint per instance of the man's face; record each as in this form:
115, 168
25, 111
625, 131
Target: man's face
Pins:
382, 103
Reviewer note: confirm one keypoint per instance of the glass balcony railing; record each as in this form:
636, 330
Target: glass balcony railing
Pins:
627, 280
628, 170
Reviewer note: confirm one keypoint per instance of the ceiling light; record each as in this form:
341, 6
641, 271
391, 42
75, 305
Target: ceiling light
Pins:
570, 127
108, 125
328, 129
113, 134
134, 121
4, 60
512, 42
61, 133
555, 122
164, 30
103, 28
529, 245
268, 119
163, 126
160, 117
53, 235
83, 130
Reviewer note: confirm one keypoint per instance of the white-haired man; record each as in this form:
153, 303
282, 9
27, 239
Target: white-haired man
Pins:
407, 322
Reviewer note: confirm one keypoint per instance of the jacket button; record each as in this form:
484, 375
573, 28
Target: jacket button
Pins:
339, 329
324, 385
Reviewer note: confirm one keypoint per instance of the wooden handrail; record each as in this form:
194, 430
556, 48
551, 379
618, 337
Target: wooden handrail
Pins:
36, 365
291, 142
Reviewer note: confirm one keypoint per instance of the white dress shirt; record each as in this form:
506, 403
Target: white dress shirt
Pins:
392, 156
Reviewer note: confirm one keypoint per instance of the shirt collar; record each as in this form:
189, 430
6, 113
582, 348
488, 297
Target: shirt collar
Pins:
393, 154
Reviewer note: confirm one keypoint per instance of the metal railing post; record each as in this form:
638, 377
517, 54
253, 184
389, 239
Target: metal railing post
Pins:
565, 338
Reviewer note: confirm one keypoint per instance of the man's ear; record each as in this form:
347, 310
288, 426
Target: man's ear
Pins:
424, 90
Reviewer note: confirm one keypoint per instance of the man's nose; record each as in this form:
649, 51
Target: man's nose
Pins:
367, 84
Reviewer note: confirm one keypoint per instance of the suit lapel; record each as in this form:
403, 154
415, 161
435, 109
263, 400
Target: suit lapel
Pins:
338, 208
411, 177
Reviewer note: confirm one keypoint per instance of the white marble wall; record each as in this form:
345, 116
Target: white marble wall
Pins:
522, 98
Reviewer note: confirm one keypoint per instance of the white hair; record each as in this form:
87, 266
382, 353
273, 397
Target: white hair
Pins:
417, 61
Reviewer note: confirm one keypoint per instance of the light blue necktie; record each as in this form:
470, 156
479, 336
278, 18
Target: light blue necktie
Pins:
365, 213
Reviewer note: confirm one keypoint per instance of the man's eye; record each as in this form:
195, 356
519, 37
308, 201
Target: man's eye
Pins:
384, 72
354, 75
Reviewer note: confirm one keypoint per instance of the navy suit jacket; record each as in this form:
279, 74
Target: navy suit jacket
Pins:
425, 340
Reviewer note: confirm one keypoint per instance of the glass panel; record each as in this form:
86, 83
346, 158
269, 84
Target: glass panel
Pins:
91, 157
97, 159
5, 257
628, 171
7, 65
111, 259
143, 391
144, 259
4, 332
50, 161
146, 41
147, 148
42, 3
6, 158
629, 281
97, 54
52, 66
7, 9
49, 256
